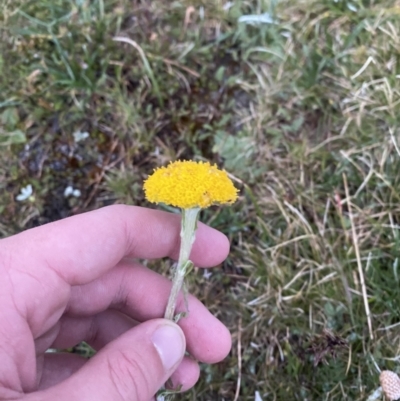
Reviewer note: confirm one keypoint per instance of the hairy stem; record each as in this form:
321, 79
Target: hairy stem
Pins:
188, 230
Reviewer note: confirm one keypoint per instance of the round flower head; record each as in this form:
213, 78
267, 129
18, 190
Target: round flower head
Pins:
189, 184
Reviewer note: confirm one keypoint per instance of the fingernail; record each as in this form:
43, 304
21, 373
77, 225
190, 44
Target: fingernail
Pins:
170, 344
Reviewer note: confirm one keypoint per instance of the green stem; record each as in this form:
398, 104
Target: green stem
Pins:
188, 229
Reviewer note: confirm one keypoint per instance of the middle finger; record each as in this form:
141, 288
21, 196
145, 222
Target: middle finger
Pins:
142, 294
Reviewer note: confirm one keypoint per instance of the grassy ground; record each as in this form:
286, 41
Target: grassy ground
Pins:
302, 109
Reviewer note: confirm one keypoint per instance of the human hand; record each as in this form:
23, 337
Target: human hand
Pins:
75, 280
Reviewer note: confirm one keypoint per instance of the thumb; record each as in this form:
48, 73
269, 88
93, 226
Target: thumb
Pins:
131, 368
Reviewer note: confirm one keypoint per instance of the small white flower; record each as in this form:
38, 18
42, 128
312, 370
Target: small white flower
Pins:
207, 274
80, 136
26, 193
70, 191
76, 193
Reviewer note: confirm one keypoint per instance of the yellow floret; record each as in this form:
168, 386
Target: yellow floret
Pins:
189, 184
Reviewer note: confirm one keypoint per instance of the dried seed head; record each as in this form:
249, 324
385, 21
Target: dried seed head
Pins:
390, 383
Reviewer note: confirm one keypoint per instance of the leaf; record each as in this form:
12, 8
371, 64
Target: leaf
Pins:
9, 117
238, 152
12, 138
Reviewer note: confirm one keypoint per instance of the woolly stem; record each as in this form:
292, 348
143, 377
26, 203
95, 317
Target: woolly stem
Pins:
188, 231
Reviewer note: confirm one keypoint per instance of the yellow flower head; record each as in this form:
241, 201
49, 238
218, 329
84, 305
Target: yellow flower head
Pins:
188, 184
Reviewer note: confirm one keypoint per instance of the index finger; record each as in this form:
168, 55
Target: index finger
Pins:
82, 248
